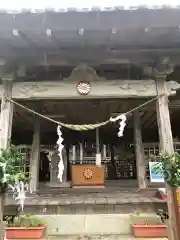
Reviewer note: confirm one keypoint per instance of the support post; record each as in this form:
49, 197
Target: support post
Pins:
139, 151
104, 151
6, 117
166, 145
74, 153
35, 156
2, 232
98, 153
81, 152
97, 141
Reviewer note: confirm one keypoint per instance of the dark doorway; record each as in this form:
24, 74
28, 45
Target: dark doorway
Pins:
44, 167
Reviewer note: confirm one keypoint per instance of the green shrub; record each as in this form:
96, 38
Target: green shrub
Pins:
26, 221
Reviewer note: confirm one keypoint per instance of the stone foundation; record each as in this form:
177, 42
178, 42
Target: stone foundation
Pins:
91, 225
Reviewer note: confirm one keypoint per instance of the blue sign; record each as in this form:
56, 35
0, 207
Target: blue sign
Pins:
155, 172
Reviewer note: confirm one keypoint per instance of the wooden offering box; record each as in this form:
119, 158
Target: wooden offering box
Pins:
87, 175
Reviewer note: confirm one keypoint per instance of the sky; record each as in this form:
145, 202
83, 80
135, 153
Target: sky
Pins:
57, 4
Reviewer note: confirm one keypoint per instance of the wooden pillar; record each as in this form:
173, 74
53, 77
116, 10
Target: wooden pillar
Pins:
166, 145
98, 153
2, 232
81, 152
54, 168
104, 151
139, 151
35, 156
74, 153
97, 141
6, 115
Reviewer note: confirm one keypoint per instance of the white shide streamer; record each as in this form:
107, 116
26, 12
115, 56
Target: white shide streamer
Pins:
19, 188
122, 123
60, 148
19, 192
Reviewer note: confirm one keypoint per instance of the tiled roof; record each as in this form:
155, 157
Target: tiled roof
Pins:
80, 5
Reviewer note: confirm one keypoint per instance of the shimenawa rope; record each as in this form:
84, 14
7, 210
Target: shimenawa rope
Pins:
83, 127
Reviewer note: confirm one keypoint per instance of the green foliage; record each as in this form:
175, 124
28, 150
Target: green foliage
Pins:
11, 167
163, 215
26, 221
169, 167
137, 218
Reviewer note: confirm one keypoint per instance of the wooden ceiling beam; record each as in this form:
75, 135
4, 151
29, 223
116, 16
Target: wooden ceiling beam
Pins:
153, 122
24, 37
174, 104
149, 120
21, 122
70, 56
145, 117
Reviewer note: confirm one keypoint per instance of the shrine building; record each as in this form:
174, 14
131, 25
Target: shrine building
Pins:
79, 69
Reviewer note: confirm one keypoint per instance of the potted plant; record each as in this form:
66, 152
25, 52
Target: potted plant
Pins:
152, 226
169, 167
12, 176
25, 227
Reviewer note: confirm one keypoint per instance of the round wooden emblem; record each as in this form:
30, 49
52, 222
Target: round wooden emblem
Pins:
83, 88
88, 173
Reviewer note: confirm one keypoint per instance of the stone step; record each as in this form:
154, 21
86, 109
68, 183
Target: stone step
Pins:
98, 237
95, 237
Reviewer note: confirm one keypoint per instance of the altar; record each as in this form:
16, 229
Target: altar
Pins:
85, 165
88, 163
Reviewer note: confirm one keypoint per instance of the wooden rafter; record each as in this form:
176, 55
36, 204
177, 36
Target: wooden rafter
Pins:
24, 37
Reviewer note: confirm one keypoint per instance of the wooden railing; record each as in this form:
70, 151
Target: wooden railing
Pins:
124, 168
